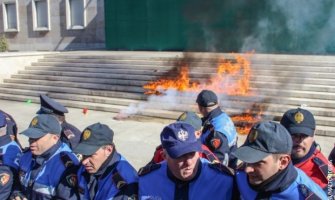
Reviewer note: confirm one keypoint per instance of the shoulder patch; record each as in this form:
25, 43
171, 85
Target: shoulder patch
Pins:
67, 161
307, 193
119, 180
222, 168
68, 133
4, 178
148, 168
72, 180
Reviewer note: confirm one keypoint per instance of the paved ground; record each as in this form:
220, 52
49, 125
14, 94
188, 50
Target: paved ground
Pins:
136, 140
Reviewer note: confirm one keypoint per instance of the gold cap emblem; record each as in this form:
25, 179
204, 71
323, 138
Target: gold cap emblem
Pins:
34, 121
252, 136
86, 134
182, 117
298, 117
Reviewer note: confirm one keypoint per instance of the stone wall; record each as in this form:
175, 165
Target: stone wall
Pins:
11, 63
58, 37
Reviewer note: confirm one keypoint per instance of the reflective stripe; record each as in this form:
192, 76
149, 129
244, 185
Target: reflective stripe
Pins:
44, 189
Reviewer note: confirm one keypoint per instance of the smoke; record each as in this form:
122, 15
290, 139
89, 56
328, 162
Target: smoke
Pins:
294, 26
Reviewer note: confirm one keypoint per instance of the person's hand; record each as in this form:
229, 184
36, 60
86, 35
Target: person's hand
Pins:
17, 195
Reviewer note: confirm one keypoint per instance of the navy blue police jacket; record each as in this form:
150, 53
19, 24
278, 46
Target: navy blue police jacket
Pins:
293, 184
210, 182
219, 134
116, 179
10, 153
41, 175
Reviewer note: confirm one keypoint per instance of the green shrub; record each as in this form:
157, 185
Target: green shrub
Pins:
3, 43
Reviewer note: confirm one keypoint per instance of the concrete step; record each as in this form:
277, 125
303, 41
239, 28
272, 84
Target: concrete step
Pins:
193, 73
122, 86
268, 78
126, 80
149, 64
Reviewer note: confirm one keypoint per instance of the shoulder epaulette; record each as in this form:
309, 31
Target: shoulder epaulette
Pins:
118, 180
322, 166
307, 193
67, 161
148, 168
222, 168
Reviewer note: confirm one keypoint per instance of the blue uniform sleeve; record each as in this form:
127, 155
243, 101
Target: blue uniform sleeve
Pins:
128, 192
67, 189
6, 182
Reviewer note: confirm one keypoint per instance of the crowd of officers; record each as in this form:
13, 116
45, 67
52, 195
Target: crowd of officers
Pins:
198, 158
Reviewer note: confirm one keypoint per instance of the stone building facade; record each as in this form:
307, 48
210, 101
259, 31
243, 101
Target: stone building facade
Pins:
52, 25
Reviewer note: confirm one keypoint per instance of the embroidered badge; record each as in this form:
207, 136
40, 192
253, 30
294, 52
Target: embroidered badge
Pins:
252, 136
182, 135
182, 117
34, 122
298, 117
72, 180
4, 178
216, 143
86, 134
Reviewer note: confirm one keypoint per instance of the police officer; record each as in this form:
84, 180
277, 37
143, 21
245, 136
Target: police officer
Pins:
11, 127
104, 173
70, 134
184, 175
300, 123
268, 171
219, 133
10, 153
193, 119
42, 166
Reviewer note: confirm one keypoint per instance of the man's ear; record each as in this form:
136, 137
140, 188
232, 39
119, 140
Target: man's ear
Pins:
284, 161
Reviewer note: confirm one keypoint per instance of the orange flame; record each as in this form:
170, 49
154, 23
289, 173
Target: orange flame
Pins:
230, 78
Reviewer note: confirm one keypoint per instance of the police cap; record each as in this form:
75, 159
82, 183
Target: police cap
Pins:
265, 138
41, 125
50, 106
94, 137
178, 139
191, 118
207, 98
299, 121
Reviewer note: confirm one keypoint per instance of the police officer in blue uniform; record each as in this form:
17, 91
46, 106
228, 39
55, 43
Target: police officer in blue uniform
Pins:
10, 153
219, 133
11, 127
104, 173
183, 175
70, 134
42, 166
267, 171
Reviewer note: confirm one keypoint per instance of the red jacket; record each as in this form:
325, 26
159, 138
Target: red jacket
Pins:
316, 167
206, 153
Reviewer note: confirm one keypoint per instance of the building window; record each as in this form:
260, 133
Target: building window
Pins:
75, 14
41, 15
10, 16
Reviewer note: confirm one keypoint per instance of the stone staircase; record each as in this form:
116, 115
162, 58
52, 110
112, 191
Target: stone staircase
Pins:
112, 82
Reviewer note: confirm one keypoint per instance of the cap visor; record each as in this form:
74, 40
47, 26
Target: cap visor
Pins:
178, 152
85, 149
301, 130
249, 155
33, 133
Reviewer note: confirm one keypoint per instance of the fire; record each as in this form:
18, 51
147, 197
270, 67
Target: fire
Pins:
181, 83
231, 78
